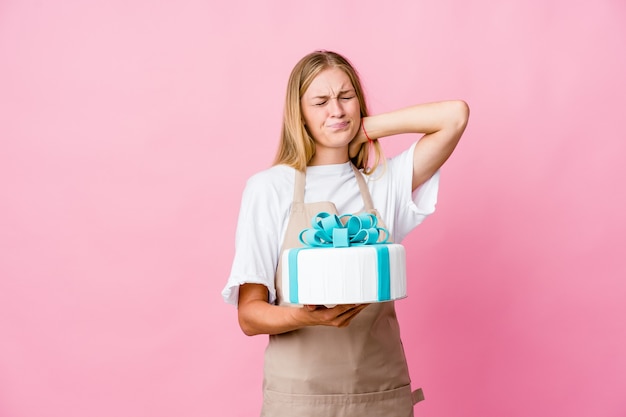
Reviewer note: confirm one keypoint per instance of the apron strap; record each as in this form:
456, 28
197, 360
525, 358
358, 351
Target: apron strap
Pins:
298, 188
365, 192
417, 395
300, 181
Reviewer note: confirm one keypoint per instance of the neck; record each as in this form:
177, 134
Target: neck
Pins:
329, 156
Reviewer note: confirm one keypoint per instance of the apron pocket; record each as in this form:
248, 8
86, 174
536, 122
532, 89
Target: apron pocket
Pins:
393, 403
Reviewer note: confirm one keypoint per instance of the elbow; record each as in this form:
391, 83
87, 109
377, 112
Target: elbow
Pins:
249, 332
246, 327
461, 114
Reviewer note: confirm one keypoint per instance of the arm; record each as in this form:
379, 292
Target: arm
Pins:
257, 316
442, 124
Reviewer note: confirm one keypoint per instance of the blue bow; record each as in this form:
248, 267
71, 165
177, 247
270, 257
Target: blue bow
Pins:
343, 231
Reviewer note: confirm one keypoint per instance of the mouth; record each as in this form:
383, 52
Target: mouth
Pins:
338, 126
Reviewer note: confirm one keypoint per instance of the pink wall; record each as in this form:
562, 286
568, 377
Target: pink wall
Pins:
128, 128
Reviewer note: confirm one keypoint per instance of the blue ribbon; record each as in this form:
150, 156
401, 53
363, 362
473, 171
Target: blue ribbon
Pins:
343, 231
384, 278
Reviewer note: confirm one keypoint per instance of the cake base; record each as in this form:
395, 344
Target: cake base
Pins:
349, 275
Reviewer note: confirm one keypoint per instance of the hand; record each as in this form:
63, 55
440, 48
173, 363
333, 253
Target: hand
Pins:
357, 142
257, 316
338, 316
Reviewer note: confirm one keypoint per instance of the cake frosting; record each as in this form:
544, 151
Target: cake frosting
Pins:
330, 276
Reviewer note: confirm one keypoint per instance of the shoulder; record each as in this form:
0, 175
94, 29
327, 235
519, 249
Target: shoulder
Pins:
271, 176
272, 183
403, 159
396, 168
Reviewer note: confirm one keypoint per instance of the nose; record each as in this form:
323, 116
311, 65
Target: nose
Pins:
336, 107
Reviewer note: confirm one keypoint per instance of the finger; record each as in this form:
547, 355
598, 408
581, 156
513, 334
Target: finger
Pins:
338, 316
331, 316
345, 318
348, 310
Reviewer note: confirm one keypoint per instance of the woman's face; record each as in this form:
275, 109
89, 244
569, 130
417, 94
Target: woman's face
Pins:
332, 114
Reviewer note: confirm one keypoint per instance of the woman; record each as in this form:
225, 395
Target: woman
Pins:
347, 360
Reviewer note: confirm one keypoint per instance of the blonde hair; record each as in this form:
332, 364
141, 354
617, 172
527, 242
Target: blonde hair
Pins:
296, 146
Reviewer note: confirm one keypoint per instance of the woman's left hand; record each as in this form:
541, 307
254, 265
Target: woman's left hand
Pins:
355, 145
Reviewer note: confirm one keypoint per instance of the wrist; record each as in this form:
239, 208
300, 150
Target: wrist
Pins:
300, 317
367, 137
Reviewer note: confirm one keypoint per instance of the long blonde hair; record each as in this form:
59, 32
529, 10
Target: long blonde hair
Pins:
296, 146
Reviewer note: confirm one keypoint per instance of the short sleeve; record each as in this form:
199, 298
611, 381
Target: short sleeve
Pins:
256, 240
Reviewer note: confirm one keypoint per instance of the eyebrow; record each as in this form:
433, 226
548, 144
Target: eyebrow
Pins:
342, 92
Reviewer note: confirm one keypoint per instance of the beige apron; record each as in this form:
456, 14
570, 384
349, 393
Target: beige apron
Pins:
321, 371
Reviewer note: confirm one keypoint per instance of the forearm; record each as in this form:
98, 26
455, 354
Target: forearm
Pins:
260, 317
425, 118
441, 124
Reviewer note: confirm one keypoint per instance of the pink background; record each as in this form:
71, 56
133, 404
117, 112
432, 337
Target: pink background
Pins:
128, 129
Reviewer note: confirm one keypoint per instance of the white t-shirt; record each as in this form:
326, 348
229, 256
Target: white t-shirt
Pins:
267, 199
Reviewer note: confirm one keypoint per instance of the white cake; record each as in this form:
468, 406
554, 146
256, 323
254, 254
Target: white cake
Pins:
344, 275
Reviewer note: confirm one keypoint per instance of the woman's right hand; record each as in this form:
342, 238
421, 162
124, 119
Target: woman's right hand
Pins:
257, 316
339, 316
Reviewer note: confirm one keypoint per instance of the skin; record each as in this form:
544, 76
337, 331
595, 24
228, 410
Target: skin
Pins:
331, 115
